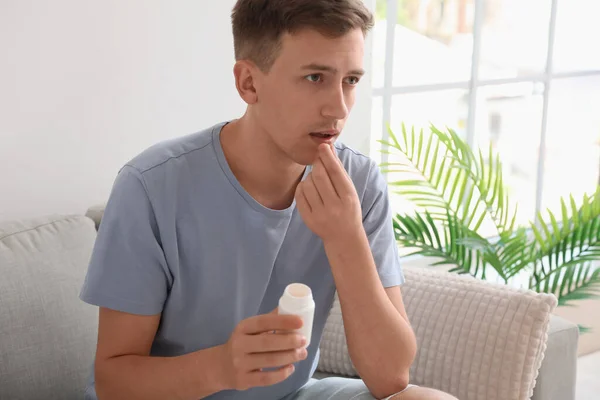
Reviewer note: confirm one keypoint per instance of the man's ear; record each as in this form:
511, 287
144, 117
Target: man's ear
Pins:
246, 74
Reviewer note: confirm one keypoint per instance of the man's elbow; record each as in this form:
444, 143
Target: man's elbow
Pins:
99, 383
411, 348
102, 380
389, 384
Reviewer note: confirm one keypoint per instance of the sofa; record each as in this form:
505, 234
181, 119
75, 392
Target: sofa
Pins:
477, 340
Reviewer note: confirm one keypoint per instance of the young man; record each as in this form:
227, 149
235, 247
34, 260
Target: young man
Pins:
202, 234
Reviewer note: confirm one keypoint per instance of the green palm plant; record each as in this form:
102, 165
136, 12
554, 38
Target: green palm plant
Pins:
458, 191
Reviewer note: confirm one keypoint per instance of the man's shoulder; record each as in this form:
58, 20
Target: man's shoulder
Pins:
364, 172
163, 152
356, 163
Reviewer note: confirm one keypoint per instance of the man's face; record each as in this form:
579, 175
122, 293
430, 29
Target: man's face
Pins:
306, 96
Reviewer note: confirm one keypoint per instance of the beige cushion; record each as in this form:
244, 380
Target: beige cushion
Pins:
476, 340
47, 335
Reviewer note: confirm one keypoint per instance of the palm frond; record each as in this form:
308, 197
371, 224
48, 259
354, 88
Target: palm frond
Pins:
575, 282
574, 241
515, 252
451, 242
566, 252
551, 234
457, 190
422, 163
451, 176
486, 177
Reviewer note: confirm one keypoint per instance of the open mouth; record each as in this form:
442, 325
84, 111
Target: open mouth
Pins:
325, 134
322, 135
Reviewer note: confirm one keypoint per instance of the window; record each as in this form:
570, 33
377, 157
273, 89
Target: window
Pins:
524, 76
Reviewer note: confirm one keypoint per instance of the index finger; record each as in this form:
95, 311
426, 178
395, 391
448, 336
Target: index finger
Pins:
335, 170
270, 322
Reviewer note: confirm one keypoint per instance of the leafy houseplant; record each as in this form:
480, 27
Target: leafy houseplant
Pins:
459, 193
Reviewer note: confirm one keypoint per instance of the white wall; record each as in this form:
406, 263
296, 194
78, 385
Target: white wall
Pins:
86, 85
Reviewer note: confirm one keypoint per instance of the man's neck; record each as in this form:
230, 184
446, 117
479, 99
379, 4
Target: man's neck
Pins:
262, 170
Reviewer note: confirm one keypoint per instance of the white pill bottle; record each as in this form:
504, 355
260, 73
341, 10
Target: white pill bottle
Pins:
297, 300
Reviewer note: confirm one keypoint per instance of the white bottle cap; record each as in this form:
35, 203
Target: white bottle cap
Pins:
296, 296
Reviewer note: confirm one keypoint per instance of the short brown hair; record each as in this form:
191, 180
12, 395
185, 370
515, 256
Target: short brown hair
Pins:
259, 24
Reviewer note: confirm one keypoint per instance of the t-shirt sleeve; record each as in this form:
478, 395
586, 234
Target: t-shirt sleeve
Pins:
377, 221
127, 270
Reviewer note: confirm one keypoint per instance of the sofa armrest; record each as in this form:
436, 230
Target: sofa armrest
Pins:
95, 214
557, 375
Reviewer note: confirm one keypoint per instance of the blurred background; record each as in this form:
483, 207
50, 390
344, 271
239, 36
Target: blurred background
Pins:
524, 76
84, 86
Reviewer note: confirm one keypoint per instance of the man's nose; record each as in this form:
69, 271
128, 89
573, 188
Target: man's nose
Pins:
335, 105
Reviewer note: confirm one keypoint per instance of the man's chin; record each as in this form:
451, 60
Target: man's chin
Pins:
305, 154
307, 158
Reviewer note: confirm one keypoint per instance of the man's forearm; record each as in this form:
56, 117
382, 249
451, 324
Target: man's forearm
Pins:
380, 341
191, 376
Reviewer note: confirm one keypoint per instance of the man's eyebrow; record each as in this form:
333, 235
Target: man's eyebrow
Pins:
327, 68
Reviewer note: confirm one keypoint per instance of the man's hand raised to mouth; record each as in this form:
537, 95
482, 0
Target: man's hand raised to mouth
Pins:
327, 199
377, 330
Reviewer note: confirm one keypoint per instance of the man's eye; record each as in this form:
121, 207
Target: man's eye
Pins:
353, 80
314, 77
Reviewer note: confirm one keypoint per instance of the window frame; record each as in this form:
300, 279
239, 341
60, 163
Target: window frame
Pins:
474, 83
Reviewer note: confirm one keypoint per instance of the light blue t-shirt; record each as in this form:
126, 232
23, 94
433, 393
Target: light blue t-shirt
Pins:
180, 236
